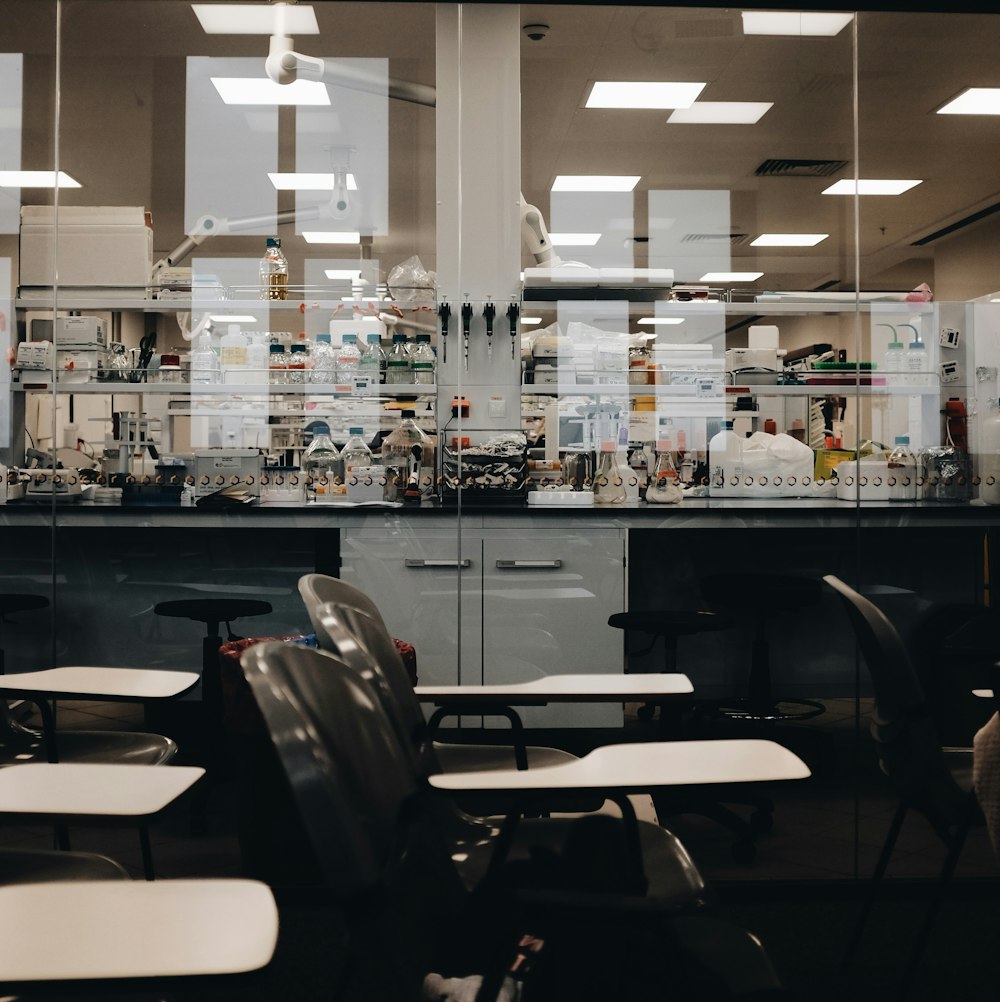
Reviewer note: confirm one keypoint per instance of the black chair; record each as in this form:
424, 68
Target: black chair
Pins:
926, 780
392, 866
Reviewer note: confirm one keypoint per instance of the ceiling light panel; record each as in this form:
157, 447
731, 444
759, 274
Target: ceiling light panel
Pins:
974, 101
309, 182
642, 94
530, 320
870, 186
788, 239
731, 276
226, 319
660, 321
574, 239
36, 179
256, 19
595, 182
347, 274
331, 237
721, 113
796, 23
254, 90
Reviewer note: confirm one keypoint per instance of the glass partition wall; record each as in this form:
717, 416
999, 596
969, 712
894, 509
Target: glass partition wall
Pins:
592, 334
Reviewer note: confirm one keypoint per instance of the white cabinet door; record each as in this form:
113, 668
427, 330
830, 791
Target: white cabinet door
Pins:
547, 595
416, 577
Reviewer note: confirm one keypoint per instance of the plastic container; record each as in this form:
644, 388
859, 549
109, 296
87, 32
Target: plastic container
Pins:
398, 363
371, 367
321, 464
204, 361
725, 457
170, 369
895, 358
989, 456
398, 457
258, 358
277, 364
233, 351
273, 271
422, 360
349, 360
902, 473
916, 359
297, 360
355, 452
324, 361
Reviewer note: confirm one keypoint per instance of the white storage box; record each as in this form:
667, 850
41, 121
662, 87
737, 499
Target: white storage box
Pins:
104, 251
874, 480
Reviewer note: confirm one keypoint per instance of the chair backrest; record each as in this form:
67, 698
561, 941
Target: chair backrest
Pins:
351, 778
909, 750
320, 589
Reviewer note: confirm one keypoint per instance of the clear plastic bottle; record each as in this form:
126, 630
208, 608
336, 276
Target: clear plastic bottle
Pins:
399, 458
725, 454
609, 482
917, 365
639, 466
321, 464
355, 452
422, 360
233, 354
324, 361
664, 484
204, 361
989, 456
298, 360
349, 361
398, 363
273, 271
277, 364
258, 358
895, 359
371, 368
902, 471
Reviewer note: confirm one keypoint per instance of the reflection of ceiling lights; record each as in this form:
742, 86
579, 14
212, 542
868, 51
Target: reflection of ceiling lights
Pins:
36, 179
574, 239
331, 237
595, 182
224, 319
531, 321
642, 94
660, 321
793, 23
256, 19
788, 239
309, 182
731, 276
869, 186
974, 101
343, 273
251, 90
721, 113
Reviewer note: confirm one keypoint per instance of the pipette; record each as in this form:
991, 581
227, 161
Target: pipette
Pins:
489, 312
512, 313
466, 324
444, 312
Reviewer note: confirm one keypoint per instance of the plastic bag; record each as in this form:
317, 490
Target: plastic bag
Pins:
410, 284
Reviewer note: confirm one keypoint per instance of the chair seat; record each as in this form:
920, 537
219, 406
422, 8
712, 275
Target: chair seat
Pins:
21, 603
97, 747
32, 866
669, 622
212, 610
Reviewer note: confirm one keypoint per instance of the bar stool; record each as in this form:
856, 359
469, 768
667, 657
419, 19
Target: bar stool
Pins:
212, 612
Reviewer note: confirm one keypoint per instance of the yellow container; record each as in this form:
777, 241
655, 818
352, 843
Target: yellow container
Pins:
827, 459
644, 403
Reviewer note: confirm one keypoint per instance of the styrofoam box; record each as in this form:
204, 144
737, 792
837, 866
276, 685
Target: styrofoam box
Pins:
874, 477
106, 251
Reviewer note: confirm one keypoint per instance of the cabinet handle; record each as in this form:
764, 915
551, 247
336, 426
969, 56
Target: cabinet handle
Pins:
413, 562
528, 565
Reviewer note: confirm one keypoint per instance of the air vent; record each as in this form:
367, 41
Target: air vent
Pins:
800, 168
733, 239
705, 27
957, 225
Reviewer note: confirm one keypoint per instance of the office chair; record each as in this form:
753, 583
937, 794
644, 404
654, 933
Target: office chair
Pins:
925, 779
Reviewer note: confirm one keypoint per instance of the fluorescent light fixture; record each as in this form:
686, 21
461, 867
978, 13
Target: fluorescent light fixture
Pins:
660, 321
788, 239
308, 182
331, 237
255, 19
721, 113
343, 273
574, 239
870, 186
794, 23
974, 101
254, 90
731, 276
530, 320
595, 182
36, 179
642, 94
362, 299
223, 319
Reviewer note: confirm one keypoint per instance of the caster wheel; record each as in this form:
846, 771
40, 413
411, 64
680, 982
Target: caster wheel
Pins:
744, 852
762, 822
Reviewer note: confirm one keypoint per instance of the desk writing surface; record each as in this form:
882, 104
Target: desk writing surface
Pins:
564, 689
83, 681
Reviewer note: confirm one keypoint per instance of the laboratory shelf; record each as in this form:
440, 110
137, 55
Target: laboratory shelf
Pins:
683, 392
203, 391
112, 304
